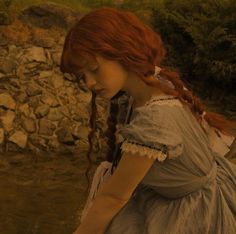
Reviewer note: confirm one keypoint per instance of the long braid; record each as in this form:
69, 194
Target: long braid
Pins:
117, 113
112, 122
197, 107
111, 129
179, 90
92, 122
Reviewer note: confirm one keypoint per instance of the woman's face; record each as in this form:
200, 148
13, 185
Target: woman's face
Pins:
104, 74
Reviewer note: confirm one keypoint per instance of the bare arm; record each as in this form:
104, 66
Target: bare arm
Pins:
115, 193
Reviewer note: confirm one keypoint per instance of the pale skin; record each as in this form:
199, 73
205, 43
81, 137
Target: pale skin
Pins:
132, 168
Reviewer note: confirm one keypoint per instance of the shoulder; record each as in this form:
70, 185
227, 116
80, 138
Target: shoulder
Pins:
152, 131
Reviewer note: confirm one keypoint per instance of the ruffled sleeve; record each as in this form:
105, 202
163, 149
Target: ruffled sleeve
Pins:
151, 133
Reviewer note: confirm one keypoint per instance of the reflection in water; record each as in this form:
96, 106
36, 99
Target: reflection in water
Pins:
41, 194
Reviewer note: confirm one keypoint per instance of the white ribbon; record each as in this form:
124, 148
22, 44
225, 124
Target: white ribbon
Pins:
157, 71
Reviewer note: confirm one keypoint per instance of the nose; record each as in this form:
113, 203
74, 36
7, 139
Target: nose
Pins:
90, 81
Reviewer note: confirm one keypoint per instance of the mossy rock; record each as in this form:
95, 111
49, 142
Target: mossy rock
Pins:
48, 15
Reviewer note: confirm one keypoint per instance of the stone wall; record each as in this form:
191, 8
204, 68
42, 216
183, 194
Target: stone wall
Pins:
40, 108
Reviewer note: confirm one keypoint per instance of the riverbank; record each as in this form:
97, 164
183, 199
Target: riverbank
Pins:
41, 194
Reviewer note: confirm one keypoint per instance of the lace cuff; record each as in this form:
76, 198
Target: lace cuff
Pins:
143, 150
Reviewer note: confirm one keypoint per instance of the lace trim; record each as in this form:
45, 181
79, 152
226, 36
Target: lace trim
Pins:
119, 137
143, 151
161, 102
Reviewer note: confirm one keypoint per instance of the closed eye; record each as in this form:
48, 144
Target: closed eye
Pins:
94, 70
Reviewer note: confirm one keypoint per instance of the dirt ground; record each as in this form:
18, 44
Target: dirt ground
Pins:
41, 194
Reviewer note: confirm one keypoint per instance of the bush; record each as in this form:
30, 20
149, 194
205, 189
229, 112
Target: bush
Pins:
4, 12
200, 39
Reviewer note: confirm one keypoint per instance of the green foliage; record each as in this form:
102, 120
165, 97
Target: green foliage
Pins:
5, 4
200, 37
19, 5
4, 12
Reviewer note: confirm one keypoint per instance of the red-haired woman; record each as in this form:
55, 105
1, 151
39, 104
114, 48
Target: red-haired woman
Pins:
171, 176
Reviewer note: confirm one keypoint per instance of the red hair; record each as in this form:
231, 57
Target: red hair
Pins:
120, 36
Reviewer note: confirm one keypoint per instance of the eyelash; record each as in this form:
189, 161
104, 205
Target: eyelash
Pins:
95, 70
82, 76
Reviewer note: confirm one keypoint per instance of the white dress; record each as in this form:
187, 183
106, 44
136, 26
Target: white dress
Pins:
191, 187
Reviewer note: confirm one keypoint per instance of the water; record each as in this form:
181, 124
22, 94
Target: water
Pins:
41, 194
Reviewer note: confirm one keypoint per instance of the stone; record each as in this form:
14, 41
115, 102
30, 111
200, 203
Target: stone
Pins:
14, 51
46, 127
45, 42
37, 142
48, 15
55, 114
45, 74
14, 84
84, 97
33, 90
32, 65
12, 147
20, 72
35, 54
61, 41
49, 57
8, 65
81, 144
49, 100
70, 91
69, 77
7, 101
54, 144
56, 56
29, 125
19, 138
65, 111
80, 132
32, 115
1, 135
7, 120
65, 136
57, 81
80, 112
22, 97
65, 123
34, 102
25, 109
42, 110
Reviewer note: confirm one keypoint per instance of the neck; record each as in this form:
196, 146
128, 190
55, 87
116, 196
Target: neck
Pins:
139, 90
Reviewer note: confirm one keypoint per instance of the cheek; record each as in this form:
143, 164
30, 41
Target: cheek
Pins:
113, 75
